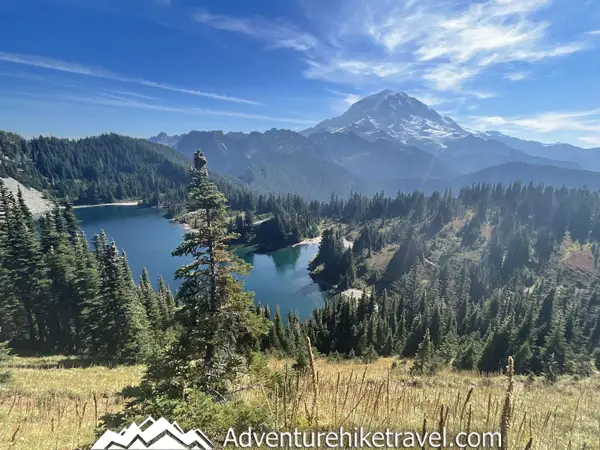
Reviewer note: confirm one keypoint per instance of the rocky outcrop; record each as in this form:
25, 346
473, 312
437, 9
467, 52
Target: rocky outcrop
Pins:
34, 199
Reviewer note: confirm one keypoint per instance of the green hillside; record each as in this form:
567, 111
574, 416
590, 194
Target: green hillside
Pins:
92, 170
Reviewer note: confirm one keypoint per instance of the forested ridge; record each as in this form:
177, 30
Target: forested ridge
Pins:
57, 296
471, 278
99, 169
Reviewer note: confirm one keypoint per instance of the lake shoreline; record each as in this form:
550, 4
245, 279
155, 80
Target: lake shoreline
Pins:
257, 248
124, 203
262, 250
278, 278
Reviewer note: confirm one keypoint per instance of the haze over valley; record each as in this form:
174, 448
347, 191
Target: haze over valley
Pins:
390, 141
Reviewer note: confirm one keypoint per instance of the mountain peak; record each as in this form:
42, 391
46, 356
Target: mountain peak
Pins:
392, 97
164, 139
394, 116
390, 92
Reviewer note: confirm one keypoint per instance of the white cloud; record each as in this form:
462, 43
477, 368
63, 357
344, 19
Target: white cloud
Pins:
352, 70
133, 94
129, 103
454, 42
342, 100
429, 98
547, 122
481, 95
590, 140
594, 33
80, 69
437, 44
447, 77
440, 44
277, 33
516, 76
351, 99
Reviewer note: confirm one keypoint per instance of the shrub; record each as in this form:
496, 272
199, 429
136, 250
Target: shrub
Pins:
5, 376
198, 410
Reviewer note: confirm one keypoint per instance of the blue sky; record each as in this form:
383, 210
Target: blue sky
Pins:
72, 68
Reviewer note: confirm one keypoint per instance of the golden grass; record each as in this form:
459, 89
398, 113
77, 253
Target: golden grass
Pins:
50, 408
561, 416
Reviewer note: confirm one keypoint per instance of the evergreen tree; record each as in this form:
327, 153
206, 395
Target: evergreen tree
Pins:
122, 322
280, 331
424, 361
150, 301
26, 269
220, 326
166, 304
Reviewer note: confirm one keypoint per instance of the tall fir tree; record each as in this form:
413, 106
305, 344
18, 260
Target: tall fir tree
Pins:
220, 325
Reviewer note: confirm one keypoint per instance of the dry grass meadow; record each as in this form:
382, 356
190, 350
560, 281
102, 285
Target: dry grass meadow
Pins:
49, 406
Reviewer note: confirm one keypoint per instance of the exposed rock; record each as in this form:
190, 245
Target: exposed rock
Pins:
34, 199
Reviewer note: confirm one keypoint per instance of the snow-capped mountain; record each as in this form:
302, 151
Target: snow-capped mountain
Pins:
405, 120
387, 140
395, 116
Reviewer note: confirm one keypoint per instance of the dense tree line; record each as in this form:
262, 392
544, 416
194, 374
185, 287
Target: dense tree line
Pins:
517, 298
267, 221
58, 296
93, 170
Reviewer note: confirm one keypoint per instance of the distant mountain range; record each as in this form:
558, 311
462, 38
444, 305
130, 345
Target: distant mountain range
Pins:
587, 158
402, 119
389, 141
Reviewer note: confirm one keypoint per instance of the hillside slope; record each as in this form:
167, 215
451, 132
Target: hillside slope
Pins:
98, 169
589, 158
35, 200
279, 161
526, 173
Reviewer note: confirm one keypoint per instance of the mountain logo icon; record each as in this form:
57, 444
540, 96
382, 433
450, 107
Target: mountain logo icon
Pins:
154, 434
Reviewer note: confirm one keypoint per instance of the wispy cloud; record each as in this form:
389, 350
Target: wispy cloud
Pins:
441, 47
116, 101
547, 122
446, 77
133, 94
439, 44
355, 71
276, 32
343, 100
516, 76
20, 75
594, 33
429, 98
590, 140
80, 69
451, 43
